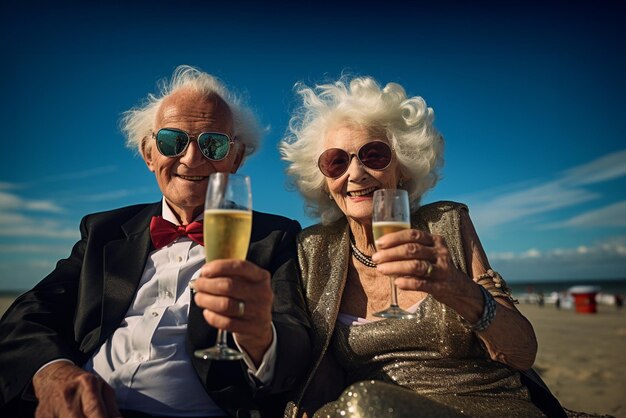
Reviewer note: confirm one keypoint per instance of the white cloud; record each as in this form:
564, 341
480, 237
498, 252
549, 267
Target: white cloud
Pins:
8, 186
490, 209
42, 206
114, 195
11, 218
609, 216
521, 204
531, 253
56, 250
601, 260
10, 201
75, 175
39, 232
611, 247
609, 167
16, 210
18, 225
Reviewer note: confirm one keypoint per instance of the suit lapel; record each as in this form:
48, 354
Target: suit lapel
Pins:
124, 262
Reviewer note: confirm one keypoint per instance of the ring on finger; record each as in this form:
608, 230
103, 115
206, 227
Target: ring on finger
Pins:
241, 308
429, 268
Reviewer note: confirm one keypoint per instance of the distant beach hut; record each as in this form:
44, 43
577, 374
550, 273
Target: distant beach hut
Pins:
585, 298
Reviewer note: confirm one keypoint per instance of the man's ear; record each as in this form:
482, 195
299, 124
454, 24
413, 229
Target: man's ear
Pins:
240, 150
146, 153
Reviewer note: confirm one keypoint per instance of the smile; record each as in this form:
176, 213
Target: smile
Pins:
364, 192
191, 178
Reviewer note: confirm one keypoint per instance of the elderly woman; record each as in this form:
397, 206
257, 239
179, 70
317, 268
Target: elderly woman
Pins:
463, 353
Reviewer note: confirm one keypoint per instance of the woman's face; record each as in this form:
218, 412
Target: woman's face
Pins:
353, 190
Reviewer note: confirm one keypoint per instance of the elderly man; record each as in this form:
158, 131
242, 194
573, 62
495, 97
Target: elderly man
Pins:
112, 329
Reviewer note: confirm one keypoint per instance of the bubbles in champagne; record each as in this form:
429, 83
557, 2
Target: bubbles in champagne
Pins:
387, 227
226, 233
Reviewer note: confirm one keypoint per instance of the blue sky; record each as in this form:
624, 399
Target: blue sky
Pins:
529, 96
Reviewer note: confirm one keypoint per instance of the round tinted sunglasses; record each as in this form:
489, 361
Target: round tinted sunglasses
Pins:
375, 155
173, 142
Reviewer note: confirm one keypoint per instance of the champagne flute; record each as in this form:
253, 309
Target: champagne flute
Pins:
227, 228
391, 214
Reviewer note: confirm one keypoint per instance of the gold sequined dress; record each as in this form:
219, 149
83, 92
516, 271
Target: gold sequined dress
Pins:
430, 366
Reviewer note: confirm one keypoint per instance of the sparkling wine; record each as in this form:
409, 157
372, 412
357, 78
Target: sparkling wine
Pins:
226, 233
387, 227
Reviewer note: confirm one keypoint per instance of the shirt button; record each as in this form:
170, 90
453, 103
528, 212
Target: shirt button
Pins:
180, 259
155, 314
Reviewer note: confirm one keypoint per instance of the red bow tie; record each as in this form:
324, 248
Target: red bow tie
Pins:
163, 232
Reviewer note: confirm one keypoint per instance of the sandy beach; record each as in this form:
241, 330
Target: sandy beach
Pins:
582, 357
5, 302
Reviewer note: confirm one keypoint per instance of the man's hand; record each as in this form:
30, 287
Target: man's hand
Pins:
236, 296
65, 390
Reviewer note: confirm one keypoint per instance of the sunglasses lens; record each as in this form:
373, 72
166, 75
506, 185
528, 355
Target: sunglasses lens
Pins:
171, 143
214, 146
375, 155
333, 162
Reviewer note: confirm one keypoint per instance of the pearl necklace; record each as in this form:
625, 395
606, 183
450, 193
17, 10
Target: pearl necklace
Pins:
360, 256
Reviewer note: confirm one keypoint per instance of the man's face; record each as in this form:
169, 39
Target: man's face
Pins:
183, 179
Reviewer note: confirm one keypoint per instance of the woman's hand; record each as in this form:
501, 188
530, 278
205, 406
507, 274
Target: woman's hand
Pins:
408, 254
420, 261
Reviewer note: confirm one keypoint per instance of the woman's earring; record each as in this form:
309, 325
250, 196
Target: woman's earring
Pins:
400, 183
330, 196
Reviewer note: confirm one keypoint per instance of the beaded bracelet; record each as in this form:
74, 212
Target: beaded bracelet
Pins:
495, 284
489, 312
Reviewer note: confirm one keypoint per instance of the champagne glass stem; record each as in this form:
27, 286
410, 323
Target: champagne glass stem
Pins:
394, 292
222, 339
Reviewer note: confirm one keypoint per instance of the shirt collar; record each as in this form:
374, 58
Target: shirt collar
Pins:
168, 213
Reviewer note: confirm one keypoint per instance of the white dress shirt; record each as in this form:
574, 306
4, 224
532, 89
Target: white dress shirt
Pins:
145, 359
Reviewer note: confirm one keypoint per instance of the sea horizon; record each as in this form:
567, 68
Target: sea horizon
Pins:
612, 286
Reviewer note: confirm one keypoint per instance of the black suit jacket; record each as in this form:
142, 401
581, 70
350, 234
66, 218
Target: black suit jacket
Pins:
72, 311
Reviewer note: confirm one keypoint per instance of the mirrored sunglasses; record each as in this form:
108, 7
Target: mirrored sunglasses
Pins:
173, 142
375, 155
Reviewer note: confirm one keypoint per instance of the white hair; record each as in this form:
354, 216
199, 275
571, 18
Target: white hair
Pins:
137, 123
407, 122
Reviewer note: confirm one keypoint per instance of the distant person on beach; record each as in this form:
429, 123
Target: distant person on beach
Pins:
112, 330
468, 350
